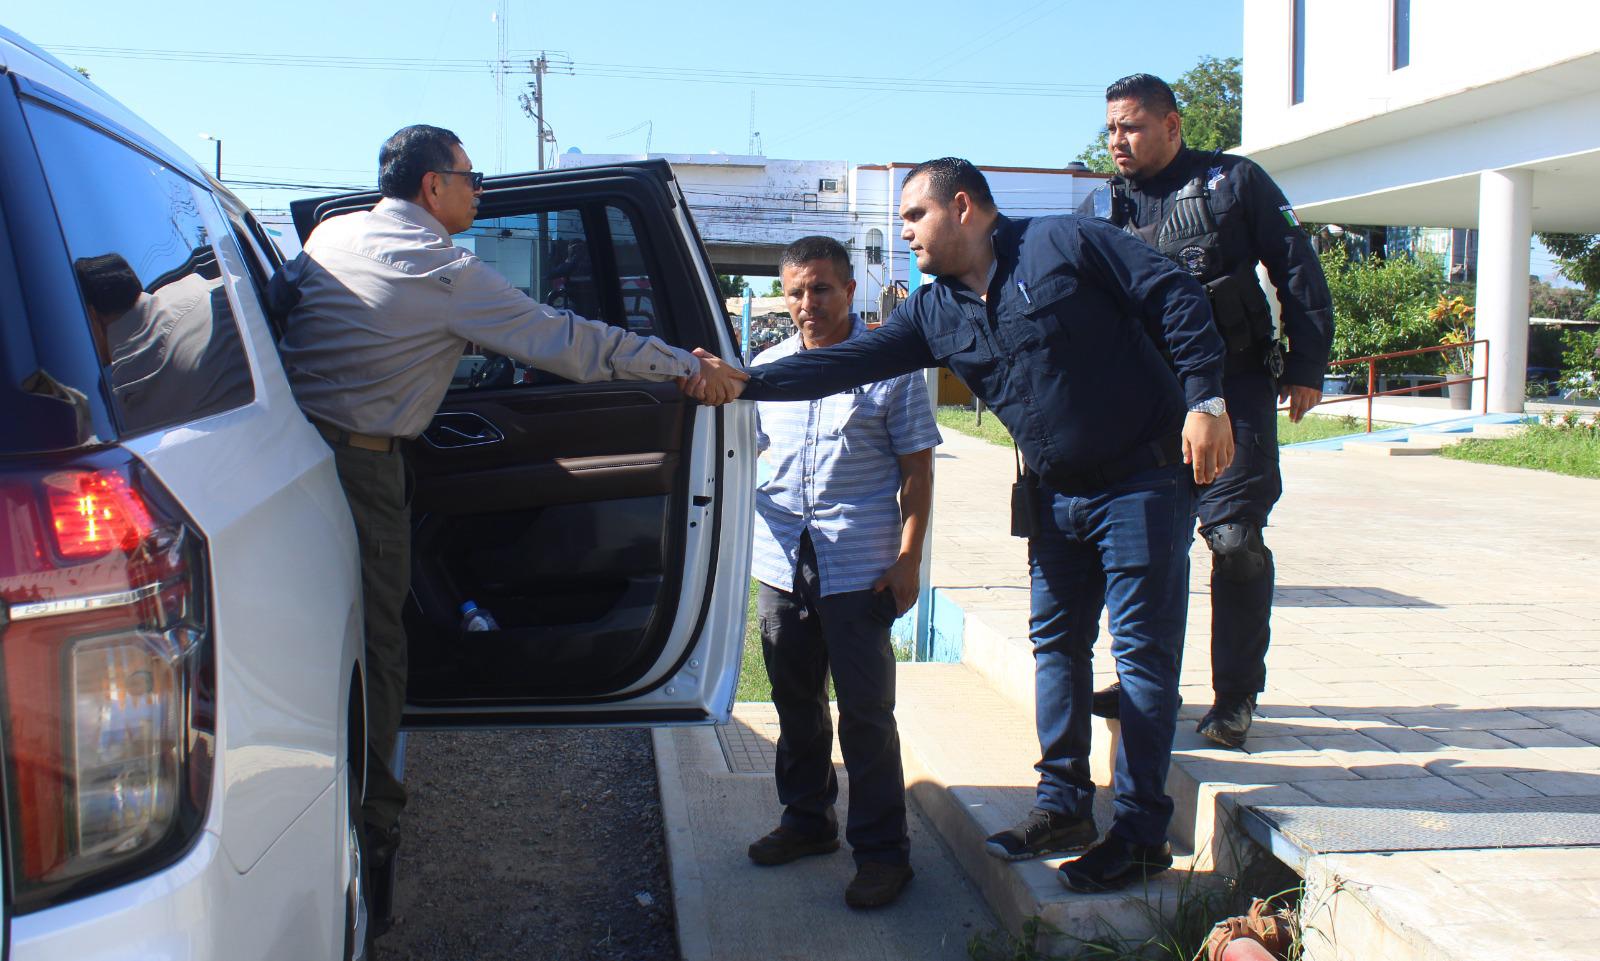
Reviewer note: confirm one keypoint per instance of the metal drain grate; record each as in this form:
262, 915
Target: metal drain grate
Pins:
1438, 825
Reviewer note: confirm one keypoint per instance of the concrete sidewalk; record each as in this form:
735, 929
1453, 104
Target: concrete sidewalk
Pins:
717, 795
1434, 686
1426, 756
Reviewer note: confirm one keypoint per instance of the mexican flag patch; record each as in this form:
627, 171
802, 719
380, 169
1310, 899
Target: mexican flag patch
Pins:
1288, 214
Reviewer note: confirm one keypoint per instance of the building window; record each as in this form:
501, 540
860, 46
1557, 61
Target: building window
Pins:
1297, 54
1401, 29
874, 246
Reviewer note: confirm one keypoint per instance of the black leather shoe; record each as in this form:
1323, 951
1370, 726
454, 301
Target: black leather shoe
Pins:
1107, 702
1041, 832
1228, 721
1115, 863
877, 883
784, 845
382, 844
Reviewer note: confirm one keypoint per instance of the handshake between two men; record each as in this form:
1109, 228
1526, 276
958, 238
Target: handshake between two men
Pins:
716, 383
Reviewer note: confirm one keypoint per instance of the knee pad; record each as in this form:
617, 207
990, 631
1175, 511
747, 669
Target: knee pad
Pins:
1237, 551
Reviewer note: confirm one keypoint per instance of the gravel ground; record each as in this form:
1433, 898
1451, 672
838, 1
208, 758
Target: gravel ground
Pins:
532, 844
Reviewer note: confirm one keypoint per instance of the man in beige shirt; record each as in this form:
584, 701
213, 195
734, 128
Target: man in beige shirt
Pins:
381, 305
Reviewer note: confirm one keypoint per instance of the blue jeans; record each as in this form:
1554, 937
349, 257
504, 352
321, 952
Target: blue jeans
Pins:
1125, 549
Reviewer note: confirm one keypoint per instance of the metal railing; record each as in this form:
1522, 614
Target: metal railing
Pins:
1372, 376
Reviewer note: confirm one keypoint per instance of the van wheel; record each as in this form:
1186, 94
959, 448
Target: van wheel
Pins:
357, 910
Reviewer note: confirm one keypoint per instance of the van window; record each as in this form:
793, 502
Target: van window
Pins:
589, 260
152, 287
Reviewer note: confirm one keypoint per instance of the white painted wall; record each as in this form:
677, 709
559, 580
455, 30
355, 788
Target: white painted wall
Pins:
1455, 45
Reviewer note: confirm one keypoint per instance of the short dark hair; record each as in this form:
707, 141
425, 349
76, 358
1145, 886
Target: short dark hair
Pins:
817, 247
410, 153
1150, 90
948, 176
109, 284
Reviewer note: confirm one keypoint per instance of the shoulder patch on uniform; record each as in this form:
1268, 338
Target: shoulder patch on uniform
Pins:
1214, 176
1288, 214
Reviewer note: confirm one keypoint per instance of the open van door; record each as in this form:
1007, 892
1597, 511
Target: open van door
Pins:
606, 527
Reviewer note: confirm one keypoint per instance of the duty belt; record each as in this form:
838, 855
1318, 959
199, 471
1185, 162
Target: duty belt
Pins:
348, 438
1157, 453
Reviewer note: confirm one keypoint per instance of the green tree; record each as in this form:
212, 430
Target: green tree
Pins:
1562, 303
1579, 256
776, 290
1210, 97
1097, 156
731, 285
1381, 306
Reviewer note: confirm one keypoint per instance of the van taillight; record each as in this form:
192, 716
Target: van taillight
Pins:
106, 677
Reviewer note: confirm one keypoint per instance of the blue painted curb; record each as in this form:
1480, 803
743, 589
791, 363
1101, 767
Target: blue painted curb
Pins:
1397, 434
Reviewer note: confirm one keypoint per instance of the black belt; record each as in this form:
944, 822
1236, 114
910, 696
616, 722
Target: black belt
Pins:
1156, 453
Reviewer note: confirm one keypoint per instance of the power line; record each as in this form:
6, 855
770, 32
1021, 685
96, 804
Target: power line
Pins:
655, 73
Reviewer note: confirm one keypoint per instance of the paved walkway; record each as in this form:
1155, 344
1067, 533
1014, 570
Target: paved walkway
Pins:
1436, 655
717, 796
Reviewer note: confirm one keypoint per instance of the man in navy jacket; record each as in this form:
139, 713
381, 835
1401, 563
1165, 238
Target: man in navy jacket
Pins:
1060, 324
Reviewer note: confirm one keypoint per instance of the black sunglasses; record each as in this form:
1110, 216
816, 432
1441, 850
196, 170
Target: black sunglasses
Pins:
477, 178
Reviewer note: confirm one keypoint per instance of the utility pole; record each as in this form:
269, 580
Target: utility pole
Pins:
539, 68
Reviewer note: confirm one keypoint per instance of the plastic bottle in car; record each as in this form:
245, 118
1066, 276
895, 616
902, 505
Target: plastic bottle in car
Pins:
475, 618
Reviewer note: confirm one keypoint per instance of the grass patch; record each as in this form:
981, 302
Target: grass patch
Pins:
1311, 427
1323, 426
753, 683
1561, 448
965, 420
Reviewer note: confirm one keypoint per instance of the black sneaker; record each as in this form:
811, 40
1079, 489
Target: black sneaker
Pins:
1041, 832
1115, 863
784, 845
1107, 702
877, 883
1228, 721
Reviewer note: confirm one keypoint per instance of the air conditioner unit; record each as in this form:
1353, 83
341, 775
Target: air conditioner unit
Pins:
828, 185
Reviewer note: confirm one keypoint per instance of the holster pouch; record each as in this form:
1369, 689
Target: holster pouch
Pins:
1024, 521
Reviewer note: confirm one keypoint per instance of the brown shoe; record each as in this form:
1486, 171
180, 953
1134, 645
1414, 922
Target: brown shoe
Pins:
784, 845
877, 883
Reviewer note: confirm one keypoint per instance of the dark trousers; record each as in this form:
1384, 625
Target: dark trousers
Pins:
375, 485
1124, 549
804, 635
1241, 608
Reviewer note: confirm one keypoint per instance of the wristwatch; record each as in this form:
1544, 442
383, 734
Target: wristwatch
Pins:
1215, 406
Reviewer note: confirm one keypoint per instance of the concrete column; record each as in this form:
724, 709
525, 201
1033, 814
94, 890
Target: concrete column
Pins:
1505, 231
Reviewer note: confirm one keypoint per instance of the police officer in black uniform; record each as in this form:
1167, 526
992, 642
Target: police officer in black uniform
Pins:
1217, 215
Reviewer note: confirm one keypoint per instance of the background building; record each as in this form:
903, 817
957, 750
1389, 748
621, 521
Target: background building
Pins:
748, 208
1464, 114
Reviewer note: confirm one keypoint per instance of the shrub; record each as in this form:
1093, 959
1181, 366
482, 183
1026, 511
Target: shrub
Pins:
1381, 306
1580, 362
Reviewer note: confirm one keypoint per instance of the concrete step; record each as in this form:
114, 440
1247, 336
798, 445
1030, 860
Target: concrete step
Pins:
1417, 445
969, 753
1497, 430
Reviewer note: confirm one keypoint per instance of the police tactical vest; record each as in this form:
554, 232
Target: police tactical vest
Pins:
1190, 237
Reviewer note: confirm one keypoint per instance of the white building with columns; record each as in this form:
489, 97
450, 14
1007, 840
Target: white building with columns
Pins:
748, 208
1437, 113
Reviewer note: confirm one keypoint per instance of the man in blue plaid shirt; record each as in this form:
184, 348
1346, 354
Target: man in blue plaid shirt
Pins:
838, 546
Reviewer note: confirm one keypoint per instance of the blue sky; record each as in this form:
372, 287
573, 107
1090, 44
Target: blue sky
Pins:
304, 92
1042, 67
